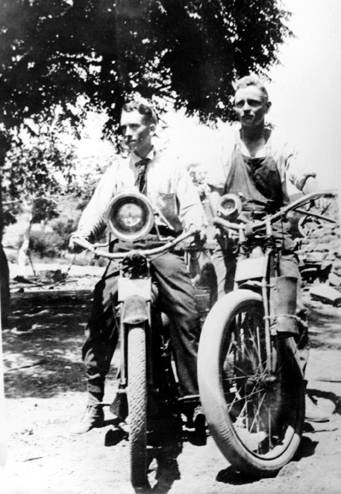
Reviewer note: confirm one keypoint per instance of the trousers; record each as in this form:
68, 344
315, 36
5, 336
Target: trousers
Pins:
225, 266
176, 299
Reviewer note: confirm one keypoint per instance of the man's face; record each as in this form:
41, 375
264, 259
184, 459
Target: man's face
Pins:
251, 106
136, 132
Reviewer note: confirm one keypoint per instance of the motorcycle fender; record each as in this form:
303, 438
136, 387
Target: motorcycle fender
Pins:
250, 269
134, 287
135, 310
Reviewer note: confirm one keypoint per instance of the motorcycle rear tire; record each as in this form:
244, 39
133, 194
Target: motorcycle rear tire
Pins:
137, 404
256, 423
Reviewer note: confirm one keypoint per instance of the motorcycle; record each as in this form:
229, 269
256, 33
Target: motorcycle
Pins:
147, 376
251, 377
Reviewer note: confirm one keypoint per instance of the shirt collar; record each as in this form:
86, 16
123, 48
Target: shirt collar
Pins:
134, 158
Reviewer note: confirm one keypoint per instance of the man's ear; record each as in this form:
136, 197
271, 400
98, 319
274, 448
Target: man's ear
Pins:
152, 128
268, 106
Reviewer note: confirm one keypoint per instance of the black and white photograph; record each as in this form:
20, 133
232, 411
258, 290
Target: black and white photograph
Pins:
170, 246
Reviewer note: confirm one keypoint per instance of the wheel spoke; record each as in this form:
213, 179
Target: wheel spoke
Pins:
257, 414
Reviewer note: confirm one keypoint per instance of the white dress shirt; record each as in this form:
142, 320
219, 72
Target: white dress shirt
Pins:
169, 188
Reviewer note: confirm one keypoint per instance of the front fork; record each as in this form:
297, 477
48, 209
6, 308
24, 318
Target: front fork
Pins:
280, 313
134, 298
133, 311
258, 275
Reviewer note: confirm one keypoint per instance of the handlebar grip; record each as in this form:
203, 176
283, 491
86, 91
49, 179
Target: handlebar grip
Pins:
82, 242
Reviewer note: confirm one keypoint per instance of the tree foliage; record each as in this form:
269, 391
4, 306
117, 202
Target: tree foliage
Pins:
38, 167
188, 50
53, 51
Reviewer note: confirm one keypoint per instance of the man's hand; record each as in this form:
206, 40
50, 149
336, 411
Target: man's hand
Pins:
199, 235
202, 236
73, 246
311, 186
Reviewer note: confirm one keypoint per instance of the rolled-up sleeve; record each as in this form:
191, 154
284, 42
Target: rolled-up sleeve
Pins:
294, 167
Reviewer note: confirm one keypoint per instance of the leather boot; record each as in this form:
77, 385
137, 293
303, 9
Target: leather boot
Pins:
199, 422
93, 417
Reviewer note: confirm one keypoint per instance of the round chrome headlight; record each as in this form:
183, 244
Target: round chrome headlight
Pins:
130, 216
230, 207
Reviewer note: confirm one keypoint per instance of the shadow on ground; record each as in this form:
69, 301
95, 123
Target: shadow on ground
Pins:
42, 347
328, 395
166, 438
233, 477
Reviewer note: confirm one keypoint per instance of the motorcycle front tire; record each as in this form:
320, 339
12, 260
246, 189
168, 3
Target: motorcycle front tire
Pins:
256, 423
137, 404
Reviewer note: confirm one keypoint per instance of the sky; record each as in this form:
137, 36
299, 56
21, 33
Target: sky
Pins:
305, 87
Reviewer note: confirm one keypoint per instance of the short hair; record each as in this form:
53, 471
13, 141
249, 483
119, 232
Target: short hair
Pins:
144, 107
251, 80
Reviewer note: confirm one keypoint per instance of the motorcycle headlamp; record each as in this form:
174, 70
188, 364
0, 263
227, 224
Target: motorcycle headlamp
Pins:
130, 217
230, 207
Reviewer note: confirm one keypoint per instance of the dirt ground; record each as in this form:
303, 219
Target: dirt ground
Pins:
45, 389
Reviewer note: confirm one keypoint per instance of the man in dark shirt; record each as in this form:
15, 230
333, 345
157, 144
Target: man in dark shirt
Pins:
256, 163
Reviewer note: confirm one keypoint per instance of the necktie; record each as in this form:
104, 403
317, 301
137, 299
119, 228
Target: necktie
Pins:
141, 182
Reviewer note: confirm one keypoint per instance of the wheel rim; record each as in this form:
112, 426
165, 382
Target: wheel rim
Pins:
260, 399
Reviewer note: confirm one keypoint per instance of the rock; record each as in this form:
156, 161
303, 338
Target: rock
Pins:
334, 279
326, 293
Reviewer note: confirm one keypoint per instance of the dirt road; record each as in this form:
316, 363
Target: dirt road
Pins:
45, 390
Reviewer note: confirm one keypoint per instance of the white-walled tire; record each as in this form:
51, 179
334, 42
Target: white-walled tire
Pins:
137, 404
255, 416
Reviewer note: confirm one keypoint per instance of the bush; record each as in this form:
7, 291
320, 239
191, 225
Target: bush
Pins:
47, 244
50, 244
64, 226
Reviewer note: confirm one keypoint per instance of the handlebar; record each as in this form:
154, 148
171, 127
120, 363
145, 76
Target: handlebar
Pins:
146, 252
259, 224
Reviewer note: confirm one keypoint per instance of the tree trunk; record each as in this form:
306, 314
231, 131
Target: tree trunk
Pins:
4, 287
4, 271
23, 253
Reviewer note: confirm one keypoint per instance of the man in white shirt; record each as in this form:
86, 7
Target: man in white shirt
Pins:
164, 180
